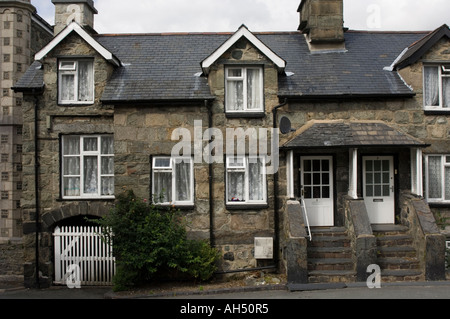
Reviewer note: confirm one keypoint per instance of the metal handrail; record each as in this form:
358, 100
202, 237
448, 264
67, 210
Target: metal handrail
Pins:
303, 205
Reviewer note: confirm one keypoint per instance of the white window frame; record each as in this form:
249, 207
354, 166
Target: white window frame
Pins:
73, 70
171, 169
444, 72
245, 168
445, 163
243, 78
82, 155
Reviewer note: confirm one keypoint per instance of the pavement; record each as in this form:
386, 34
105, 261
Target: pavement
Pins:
404, 290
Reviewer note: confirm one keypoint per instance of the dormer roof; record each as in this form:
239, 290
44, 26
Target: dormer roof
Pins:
243, 32
414, 52
75, 27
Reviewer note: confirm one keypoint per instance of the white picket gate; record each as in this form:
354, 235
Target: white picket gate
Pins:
81, 253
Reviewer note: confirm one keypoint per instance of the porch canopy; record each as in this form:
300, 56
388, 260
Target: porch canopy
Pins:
355, 135
319, 134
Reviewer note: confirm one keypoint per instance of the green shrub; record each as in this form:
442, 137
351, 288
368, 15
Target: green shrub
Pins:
151, 242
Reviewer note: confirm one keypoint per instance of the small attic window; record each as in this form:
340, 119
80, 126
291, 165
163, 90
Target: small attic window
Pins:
76, 82
436, 79
244, 89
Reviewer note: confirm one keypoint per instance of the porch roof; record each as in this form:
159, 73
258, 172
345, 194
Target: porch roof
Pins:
319, 134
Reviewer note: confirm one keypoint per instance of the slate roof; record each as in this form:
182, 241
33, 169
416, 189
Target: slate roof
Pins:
350, 134
158, 67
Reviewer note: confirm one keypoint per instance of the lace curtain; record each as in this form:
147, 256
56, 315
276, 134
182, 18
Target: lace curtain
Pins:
163, 188
85, 81
236, 94
87, 162
431, 79
237, 183
434, 177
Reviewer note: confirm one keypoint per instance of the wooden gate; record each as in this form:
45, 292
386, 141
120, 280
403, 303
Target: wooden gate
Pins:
81, 254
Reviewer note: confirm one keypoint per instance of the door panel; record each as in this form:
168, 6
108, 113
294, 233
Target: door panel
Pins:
379, 193
317, 189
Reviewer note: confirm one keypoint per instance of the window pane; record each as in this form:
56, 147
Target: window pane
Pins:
307, 166
446, 92
435, 177
308, 179
107, 186
67, 87
235, 96
447, 183
107, 145
72, 186
90, 144
431, 83
183, 181
90, 175
325, 166
326, 192
71, 145
308, 193
85, 81
256, 181
235, 73
71, 166
254, 89
236, 184
162, 162
236, 162
162, 186
107, 166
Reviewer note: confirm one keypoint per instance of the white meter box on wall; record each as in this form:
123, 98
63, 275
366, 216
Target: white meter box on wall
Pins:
263, 248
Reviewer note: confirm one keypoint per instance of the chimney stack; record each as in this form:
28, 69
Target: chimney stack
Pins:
80, 11
322, 21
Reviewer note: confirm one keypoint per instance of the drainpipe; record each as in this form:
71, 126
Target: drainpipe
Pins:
275, 193
36, 184
211, 180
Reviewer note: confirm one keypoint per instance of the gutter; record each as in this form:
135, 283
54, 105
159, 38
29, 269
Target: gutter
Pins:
211, 180
276, 193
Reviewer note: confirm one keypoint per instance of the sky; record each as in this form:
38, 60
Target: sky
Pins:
155, 16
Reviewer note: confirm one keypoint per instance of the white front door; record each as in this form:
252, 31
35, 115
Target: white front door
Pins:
317, 189
379, 195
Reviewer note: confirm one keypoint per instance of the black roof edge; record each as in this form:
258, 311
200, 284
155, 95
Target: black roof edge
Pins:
341, 97
35, 90
185, 102
289, 148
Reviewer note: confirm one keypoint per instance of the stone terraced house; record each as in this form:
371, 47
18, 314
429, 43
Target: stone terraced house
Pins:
363, 156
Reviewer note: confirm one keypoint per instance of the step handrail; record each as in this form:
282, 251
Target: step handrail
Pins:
303, 206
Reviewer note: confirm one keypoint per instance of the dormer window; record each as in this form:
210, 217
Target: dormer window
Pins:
437, 87
76, 82
244, 90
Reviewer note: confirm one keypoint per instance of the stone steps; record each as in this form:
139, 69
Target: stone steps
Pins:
330, 256
396, 254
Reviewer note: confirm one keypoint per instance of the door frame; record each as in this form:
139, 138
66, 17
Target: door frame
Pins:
333, 191
395, 177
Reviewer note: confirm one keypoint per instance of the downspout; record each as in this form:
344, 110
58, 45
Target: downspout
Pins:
276, 215
36, 184
276, 193
211, 179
